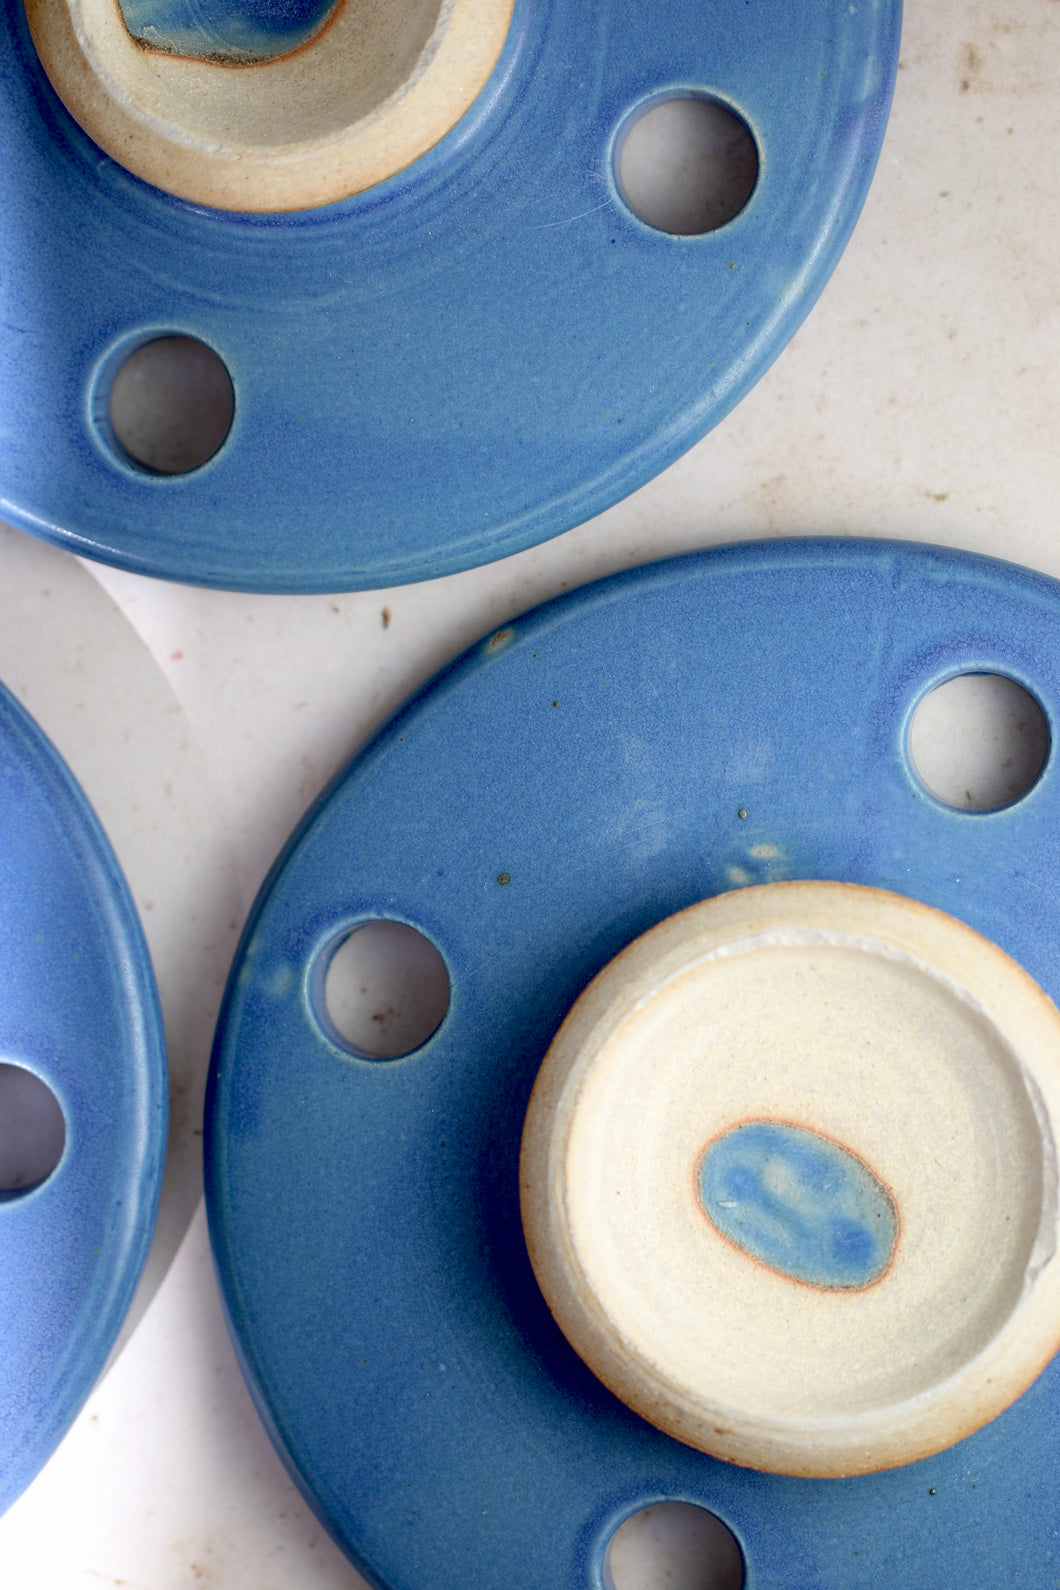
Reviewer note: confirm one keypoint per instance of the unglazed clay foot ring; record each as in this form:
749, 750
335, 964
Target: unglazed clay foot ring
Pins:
789, 1178
239, 108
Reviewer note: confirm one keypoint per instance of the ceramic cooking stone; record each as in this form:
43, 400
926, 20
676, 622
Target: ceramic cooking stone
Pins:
471, 355
78, 1008
666, 736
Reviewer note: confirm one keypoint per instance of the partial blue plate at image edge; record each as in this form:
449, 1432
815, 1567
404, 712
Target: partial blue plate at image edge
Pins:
79, 1009
463, 361
738, 716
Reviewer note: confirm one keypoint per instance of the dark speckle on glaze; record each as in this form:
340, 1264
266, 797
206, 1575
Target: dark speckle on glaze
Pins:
800, 1203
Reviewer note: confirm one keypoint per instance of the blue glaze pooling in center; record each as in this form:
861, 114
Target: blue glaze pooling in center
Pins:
233, 32
800, 1203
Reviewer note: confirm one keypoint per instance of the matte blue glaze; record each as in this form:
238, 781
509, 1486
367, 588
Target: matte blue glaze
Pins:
232, 31
800, 1203
469, 358
78, 1007
365, 1215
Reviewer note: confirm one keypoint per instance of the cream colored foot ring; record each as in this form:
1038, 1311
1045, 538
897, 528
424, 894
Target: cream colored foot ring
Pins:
789, 1178
380, 83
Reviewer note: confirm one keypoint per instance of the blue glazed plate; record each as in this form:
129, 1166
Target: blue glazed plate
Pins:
595, 766
463, 361
78, 1007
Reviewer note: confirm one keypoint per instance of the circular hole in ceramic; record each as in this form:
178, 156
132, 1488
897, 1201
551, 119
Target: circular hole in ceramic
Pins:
254, 106
32, 1130
686, 165
386, 990
171, 405
673, 1546
978, 741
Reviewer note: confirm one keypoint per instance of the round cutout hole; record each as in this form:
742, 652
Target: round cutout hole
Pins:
171, 405
673, 1546
686, 166
32, 1130
386, 990
979, 741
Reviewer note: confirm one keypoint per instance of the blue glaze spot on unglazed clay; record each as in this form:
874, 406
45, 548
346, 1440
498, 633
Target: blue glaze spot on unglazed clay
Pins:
800, 1203
235, 32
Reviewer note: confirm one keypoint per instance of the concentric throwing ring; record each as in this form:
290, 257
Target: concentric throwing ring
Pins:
735, 717
470, 357
78, 1007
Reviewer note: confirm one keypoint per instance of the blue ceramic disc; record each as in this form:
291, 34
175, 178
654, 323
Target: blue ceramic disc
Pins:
463, 361
597, 765
78, 1007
